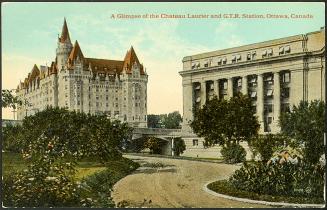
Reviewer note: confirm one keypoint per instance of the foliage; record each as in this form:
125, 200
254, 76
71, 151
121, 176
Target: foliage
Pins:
82, 134
266, 145
224, 122
305, 123
172, 120
9, 100
47, 181
154, 144
154, 121
233, 153
10, 133
99, 185
136, 145
225, 187
280, 179
179, 146
168, 121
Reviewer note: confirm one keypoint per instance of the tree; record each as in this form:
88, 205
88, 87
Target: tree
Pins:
153, 121
305, 123
9, 100
226, 121
179, 146
154, 144
172, 120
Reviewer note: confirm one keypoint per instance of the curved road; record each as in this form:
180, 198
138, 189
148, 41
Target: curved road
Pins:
174, 183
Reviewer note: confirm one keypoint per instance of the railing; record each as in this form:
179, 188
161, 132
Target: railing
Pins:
156, 131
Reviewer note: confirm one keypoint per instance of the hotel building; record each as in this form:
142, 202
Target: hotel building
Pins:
116, 88
275, 74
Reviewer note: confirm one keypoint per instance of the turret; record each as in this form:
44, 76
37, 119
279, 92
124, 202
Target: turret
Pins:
64, 47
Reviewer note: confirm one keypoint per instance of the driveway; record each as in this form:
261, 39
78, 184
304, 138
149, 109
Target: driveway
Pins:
174, 183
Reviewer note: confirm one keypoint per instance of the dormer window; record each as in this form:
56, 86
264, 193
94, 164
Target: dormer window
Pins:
220, 61
234, 59
264, 53
224, 60
248, 57
206, 64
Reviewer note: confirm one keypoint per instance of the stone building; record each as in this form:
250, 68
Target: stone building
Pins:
275, 74
116, 88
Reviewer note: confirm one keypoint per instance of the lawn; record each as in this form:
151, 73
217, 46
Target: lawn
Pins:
224, 187
13, 162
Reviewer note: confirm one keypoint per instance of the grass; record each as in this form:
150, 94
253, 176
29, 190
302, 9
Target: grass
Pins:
224, 187
14, 162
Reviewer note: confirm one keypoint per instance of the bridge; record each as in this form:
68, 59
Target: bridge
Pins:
167, 135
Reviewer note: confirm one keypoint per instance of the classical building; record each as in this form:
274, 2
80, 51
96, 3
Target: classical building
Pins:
116, 88
275, 74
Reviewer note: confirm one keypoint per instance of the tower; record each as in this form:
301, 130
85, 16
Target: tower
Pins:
64, 47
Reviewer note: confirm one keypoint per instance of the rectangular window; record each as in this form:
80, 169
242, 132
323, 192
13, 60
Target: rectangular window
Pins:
287, 49
281, 50
285, 92
270, 52
193, 65
225, 85
270, 92
286, 77
195, 142
269, 120
253, 94
268, 108
239, 82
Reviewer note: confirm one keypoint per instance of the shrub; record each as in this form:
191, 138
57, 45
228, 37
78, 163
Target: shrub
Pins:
179, 146
265, 145
280, 179
306, 124
99, 185
233, 153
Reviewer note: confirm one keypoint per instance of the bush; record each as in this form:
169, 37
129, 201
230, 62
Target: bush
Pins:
280, 179
306, 124
179, 146
99, 185
233, 153
265, 145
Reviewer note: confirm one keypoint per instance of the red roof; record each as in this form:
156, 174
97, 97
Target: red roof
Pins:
64, 33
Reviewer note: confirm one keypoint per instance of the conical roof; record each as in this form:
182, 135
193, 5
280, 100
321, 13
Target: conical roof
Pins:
64, 33
76, 52
130, 59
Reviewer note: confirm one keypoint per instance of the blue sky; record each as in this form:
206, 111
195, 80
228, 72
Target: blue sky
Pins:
30, 30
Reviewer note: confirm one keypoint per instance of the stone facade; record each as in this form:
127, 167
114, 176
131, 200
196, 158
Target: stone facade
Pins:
275, 74
116, 88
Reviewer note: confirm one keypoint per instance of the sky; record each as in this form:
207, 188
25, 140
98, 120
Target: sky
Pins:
30, 31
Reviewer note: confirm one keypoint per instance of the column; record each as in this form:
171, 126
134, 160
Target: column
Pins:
203, 93
230, 87
216, 88
172, 147
276, 100
245, 85
260, 102
188, 98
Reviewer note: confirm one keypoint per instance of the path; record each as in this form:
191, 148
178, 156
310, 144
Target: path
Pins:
178, 184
